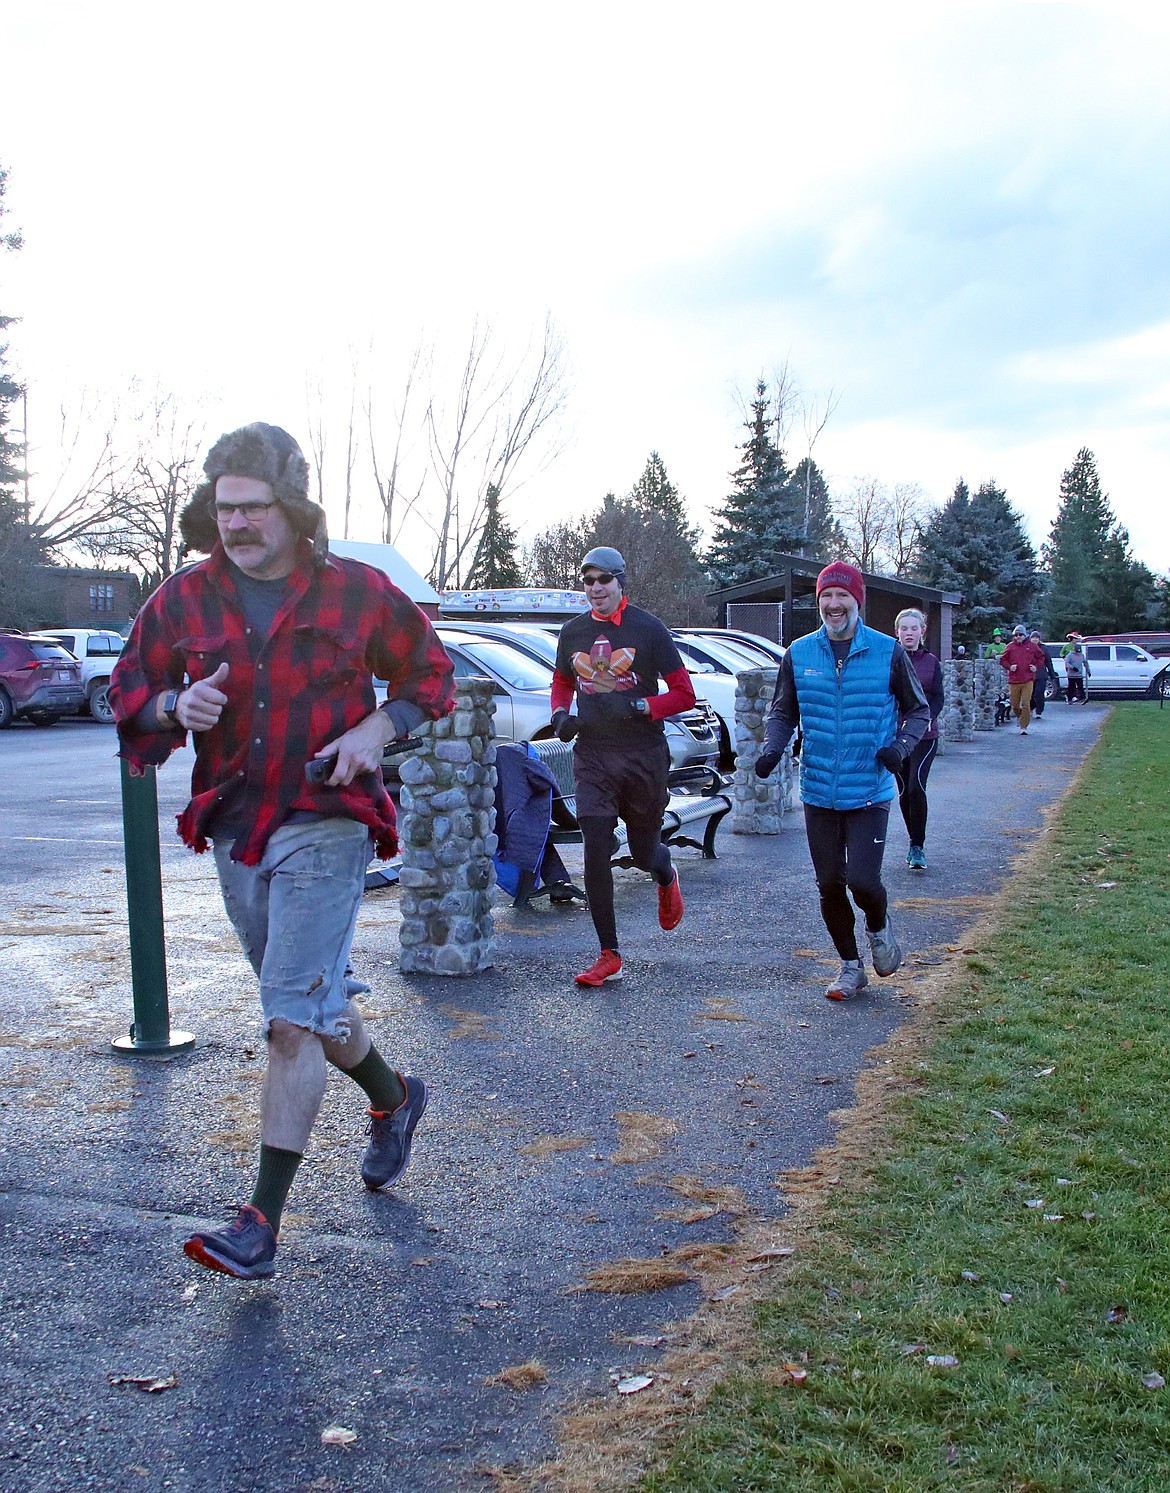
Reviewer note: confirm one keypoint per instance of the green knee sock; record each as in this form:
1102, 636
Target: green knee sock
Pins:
277, 1171
379, 1080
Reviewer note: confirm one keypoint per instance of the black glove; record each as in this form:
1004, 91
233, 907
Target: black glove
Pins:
892, 759
565, 725
766, 763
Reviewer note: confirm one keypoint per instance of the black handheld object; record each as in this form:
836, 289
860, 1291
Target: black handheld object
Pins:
891, 759
321, 768
564, 725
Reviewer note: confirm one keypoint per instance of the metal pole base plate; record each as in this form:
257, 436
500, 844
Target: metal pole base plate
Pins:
176, 1042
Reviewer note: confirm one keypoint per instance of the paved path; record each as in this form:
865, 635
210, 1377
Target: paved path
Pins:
389, 1312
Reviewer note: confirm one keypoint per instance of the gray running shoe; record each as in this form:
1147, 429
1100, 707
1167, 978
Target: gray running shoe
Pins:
388, 1153
850, 982
884, 949
245, 1249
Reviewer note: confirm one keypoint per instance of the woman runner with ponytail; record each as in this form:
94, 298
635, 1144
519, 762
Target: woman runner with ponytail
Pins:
910, 627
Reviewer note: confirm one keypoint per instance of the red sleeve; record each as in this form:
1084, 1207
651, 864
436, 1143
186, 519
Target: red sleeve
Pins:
679, 696
564, 691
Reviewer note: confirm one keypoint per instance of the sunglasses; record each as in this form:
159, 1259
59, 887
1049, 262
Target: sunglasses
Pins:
601, 578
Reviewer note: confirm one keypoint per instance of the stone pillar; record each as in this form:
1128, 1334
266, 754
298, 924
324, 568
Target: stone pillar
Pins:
759, 805
957, 722
990, 683
448, 839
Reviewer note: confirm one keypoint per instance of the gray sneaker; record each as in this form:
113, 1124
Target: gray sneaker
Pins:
851, 981
388, 1152
884, 949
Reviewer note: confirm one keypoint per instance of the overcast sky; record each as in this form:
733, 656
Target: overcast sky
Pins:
953, 216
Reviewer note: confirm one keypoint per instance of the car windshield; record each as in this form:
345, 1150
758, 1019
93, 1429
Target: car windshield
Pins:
519, 670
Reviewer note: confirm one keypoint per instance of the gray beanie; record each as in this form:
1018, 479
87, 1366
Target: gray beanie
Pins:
269, 454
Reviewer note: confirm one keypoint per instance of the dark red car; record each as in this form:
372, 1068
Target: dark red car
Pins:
38, 679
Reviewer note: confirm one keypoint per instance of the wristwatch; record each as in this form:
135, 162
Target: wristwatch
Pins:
169, 706
642, 705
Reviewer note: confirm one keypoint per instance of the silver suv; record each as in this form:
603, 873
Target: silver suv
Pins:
97, 652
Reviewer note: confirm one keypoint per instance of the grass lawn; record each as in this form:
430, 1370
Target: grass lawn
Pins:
1013, 1223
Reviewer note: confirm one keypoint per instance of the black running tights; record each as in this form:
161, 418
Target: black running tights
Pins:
847, 846
648, 854
912, 789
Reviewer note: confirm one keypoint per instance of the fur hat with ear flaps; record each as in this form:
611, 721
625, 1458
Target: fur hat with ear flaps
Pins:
271, 455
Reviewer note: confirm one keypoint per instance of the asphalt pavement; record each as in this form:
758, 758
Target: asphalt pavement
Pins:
126, 1367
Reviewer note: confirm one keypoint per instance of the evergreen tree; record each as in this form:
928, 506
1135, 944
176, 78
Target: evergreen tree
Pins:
1095, 584
665, 575
823, 539
977, 545
1075, 550
655, 491
21, 547
554, 557
495, 565
763, 516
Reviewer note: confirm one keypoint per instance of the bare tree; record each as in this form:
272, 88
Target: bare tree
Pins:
882, 526
495, 421
153, 468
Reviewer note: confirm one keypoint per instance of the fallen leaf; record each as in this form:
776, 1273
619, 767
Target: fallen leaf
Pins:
942, 1360
1153, 1381
969, 1275
421, 1261
908, 1348
190, 1293
488, 1305
781, 1252
147, 1382
688, 1054
1045, 1073
1005, 1297
724, 1293
1105, 884
1117, 1313
338, 1436
1054, 1218
795, 1373
645, 1340
1062, 1285
1089, 1217
1000, 1116
1034, 1203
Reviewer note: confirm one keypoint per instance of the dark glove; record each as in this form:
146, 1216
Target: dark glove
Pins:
892, 759
766, 763
565, 725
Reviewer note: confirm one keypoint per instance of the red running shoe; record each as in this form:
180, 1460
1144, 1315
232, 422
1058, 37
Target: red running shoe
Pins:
670, 905
607, 966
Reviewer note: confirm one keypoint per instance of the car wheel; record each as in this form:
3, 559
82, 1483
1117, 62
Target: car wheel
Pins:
1160, 687
43, 717
99, 704
6, 710
726, 748
1052, 690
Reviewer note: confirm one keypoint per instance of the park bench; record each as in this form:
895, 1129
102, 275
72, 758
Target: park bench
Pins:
698, 796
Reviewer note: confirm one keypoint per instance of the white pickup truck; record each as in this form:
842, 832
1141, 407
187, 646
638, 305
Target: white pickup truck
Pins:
97, 651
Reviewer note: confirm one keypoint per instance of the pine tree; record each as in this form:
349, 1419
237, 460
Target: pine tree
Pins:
654, 490
495, 564
1095, 584
763, 516
20, 545
823, 539
978, 545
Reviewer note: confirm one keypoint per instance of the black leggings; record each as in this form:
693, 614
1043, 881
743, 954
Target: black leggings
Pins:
847, 846
912, 789
648, 853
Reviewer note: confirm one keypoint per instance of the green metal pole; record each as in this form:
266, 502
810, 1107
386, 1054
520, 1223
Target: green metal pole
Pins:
151, 1029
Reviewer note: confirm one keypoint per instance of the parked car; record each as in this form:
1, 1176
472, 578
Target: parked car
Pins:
39, 680
692, 735
768, 652
1116, 669
97, 651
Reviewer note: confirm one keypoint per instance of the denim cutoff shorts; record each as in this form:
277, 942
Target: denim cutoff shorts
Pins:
295, 914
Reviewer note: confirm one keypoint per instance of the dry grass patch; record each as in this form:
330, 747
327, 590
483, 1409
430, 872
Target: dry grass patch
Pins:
720, 1008
521, 1376
641, 1136
549, 1145
636, 1277
470, 1024
719, 1197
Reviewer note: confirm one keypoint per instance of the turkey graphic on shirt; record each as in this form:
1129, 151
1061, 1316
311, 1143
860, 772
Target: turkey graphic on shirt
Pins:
605, 669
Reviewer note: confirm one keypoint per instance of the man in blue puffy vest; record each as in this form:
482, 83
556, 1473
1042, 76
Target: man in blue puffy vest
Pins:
848, 686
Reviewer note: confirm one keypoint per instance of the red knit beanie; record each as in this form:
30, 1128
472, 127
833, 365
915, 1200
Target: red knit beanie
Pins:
841, 573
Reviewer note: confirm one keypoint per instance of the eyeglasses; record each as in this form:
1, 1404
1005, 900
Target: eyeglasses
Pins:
602, 578
251, 511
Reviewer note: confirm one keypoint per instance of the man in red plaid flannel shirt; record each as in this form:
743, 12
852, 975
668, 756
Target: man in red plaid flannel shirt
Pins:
266, 652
